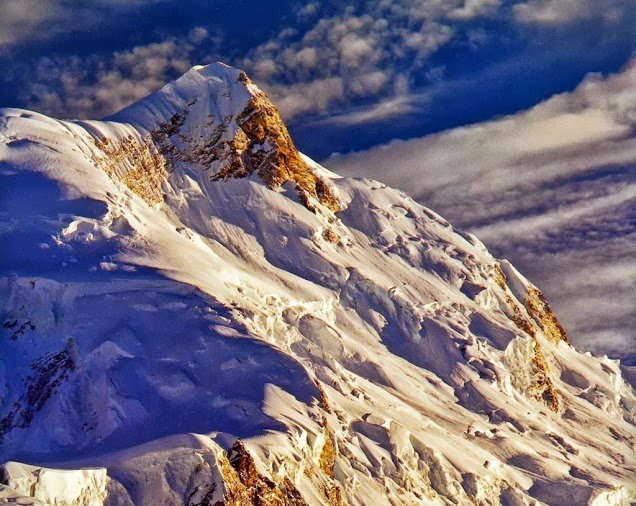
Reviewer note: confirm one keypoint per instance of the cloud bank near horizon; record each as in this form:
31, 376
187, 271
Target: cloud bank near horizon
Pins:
552, 188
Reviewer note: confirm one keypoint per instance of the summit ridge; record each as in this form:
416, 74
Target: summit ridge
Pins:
216, 118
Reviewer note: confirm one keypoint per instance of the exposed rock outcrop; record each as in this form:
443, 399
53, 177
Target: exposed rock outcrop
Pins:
263, 145
535, 315
540, 310
138, 164
246, 486
46, 375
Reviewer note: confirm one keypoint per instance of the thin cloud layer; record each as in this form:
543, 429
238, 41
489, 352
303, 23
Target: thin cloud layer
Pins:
357, 54
558, 12
552, 188
385, 51
39, 20
106, 86
325, 63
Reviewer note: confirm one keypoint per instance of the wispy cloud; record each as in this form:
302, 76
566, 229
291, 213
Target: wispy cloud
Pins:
385, 110
77, 87
558, 12
473, 9
553, 188
355, 54
568, 134
324, 64
38, 20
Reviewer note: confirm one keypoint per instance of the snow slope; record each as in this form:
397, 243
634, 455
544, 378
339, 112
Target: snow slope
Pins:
193, 313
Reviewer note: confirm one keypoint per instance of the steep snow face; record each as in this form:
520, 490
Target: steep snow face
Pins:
193, 312
50, 486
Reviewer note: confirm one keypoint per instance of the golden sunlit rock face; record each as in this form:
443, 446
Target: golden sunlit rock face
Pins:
536, 315
138, 164
246, 486
540, 310
263, 145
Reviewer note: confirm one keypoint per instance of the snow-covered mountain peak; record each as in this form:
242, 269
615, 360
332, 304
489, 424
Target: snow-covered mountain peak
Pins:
214, 91
192, 312
215, 119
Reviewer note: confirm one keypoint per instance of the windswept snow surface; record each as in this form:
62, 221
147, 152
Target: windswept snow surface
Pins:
370, 356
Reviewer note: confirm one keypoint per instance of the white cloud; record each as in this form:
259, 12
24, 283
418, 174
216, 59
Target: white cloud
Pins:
533, 228
311, 97
369, 84
558, 12
552, 188
565, 134
265, 68
367, 54
360, 52
19, 17
75, 87
354, 50
474, 8
28, 20
382, 110
309, 10
198, 34
308, 57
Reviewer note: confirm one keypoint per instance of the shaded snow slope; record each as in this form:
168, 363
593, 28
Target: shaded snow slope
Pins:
194, 312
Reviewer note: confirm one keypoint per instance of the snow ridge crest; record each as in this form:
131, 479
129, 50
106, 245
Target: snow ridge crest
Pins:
215, 119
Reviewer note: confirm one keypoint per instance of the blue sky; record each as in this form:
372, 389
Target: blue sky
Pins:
513, 119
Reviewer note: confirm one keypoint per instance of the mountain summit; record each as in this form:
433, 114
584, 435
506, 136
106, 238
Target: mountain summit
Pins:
193, 312
217, 119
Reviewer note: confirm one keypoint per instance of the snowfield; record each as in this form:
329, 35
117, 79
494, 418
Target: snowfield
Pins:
181, 325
